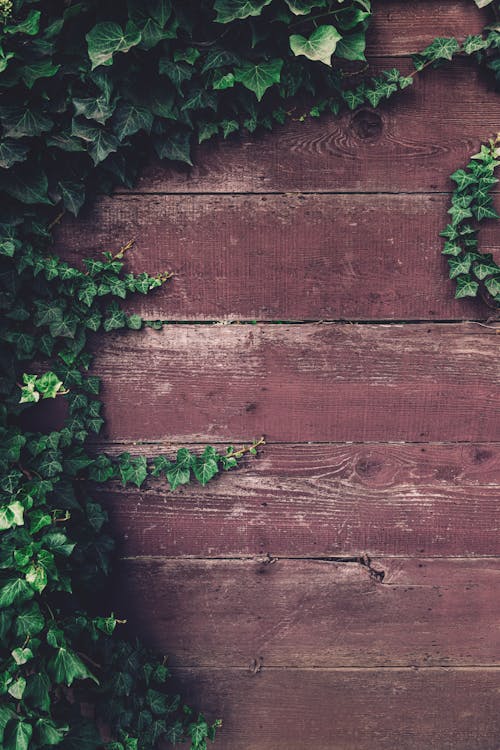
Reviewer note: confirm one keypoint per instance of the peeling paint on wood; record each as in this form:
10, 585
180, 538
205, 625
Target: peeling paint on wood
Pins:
312, 500
319, 383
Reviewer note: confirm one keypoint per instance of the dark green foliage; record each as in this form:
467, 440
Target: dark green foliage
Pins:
472, 202
77, 119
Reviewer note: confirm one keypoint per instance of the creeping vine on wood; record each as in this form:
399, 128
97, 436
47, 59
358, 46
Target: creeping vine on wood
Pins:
76, 120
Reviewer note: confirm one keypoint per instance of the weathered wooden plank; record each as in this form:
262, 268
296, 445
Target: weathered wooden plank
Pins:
318, 383
406, 26
289, 709
411, 143
294, 257
315, 613
313, 500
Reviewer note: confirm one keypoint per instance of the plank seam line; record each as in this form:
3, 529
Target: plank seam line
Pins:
350, 559
235, 194
341, 443
386, 322
382, 667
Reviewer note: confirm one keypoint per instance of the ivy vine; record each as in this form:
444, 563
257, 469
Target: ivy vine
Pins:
77, 120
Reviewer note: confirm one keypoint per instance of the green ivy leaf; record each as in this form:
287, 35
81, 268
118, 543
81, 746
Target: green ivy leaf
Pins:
29, 622
352, 47
175, 147
12, 152
66, 667
260, 77
466, 287
130, 118
107, 38
231, 10
30, 25
319, 46
99, 109
19, 122
14, 591
27, 185
38, 69
19, 736
48, 733
304, 7
73, 196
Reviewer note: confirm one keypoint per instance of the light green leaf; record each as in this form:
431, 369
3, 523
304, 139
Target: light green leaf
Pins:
205, 469
493, 285
36, 576
108, 37
319, 46
22, 655
260, 77
466, 287
14, 590
29, 26
224, 82
16, 689
48, 385
230, 10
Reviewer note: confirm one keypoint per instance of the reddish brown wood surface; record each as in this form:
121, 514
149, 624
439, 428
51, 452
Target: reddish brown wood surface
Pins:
313, 500
316, 613
328, 382
384, 709
287, 257
405, 26
411, 143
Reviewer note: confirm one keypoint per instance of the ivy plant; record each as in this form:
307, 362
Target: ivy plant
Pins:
76, 120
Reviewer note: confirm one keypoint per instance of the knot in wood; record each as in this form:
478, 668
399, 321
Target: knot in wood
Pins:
367, 124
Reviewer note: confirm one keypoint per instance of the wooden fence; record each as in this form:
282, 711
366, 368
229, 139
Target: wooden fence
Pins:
341, 591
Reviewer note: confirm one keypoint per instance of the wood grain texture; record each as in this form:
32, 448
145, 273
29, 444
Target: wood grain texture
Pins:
411, 143
314, 500
318, 383
293, 257
445, 709
405, 26
315, 613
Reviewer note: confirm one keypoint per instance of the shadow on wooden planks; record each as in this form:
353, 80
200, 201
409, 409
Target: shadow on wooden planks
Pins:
384, 438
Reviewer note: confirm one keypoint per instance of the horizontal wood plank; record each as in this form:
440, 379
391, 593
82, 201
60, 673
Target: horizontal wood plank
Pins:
400, 27
411, 143
294, 257
314, 500
317, 383
349, 709
315, 613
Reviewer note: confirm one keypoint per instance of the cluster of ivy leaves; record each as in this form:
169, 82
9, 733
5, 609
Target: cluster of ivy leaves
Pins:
472, 203
76, 119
